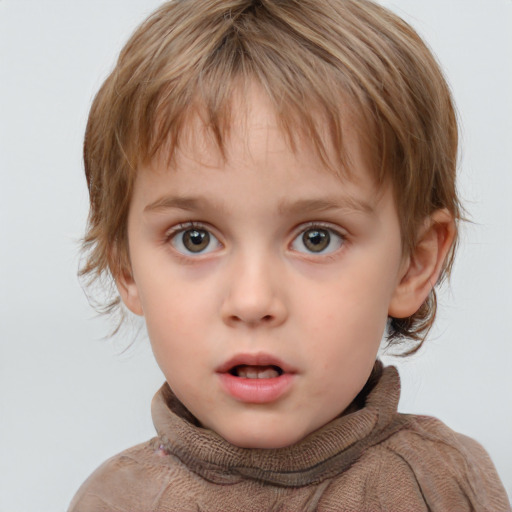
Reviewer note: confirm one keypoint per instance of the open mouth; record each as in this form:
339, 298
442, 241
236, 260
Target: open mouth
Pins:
256, 372
256, 378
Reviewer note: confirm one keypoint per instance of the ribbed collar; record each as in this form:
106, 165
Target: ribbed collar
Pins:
323, 454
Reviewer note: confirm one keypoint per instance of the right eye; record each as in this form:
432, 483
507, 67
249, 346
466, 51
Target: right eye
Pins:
194, 241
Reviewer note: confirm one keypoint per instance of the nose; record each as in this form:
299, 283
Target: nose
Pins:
255, 293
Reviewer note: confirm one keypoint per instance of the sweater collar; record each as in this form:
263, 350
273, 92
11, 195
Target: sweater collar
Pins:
323, 454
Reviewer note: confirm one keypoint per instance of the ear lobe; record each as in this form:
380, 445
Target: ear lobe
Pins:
424, 265
129, 292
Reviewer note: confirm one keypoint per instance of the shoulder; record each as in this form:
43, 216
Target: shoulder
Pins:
453, 471
133, 479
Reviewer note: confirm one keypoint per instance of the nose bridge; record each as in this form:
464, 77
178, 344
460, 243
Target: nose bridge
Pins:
254, 291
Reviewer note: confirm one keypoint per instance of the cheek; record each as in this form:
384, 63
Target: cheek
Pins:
355, 298
170, 295
347, 317
171, 318
179, 318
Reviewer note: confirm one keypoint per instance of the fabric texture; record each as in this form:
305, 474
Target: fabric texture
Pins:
371, 458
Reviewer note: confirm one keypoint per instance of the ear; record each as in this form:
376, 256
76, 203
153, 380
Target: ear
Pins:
129, 292
424, 265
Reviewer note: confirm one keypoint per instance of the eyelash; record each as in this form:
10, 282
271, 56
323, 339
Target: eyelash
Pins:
184, 226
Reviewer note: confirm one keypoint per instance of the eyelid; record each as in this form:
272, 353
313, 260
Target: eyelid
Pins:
184, 226
322, 225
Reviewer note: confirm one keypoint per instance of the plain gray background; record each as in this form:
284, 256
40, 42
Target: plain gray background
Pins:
68, 399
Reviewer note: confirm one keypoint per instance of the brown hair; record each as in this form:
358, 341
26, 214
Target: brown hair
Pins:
312, 58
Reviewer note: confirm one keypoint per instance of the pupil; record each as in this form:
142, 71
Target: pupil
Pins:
316, 240
196, 240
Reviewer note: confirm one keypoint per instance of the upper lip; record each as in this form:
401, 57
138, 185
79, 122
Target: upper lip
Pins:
257, 359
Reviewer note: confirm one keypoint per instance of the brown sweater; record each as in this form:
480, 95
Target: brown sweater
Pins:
369, 459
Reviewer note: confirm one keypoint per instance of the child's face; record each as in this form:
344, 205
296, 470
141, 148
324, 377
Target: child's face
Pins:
266, 266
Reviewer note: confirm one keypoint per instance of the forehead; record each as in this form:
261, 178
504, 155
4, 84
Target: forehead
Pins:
257, 149
251, 127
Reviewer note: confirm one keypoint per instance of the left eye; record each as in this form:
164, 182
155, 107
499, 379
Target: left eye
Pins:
317, 240
194, 241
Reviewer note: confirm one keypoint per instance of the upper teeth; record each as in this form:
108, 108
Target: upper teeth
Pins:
251, 372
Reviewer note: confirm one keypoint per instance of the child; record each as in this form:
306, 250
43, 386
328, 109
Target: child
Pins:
272, 188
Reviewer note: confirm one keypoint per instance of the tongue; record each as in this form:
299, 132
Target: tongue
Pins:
256, 372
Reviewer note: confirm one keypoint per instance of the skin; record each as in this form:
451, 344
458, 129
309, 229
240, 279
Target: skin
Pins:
257, 288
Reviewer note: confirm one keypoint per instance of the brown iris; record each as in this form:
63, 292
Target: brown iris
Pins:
196, 240
316, 240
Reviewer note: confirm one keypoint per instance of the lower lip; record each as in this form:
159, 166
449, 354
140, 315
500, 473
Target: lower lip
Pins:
256, 391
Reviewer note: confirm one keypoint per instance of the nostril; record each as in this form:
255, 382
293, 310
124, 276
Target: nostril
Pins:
264, 319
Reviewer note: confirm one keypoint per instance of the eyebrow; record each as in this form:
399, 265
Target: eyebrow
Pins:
285, 207
180, 202
345, 203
